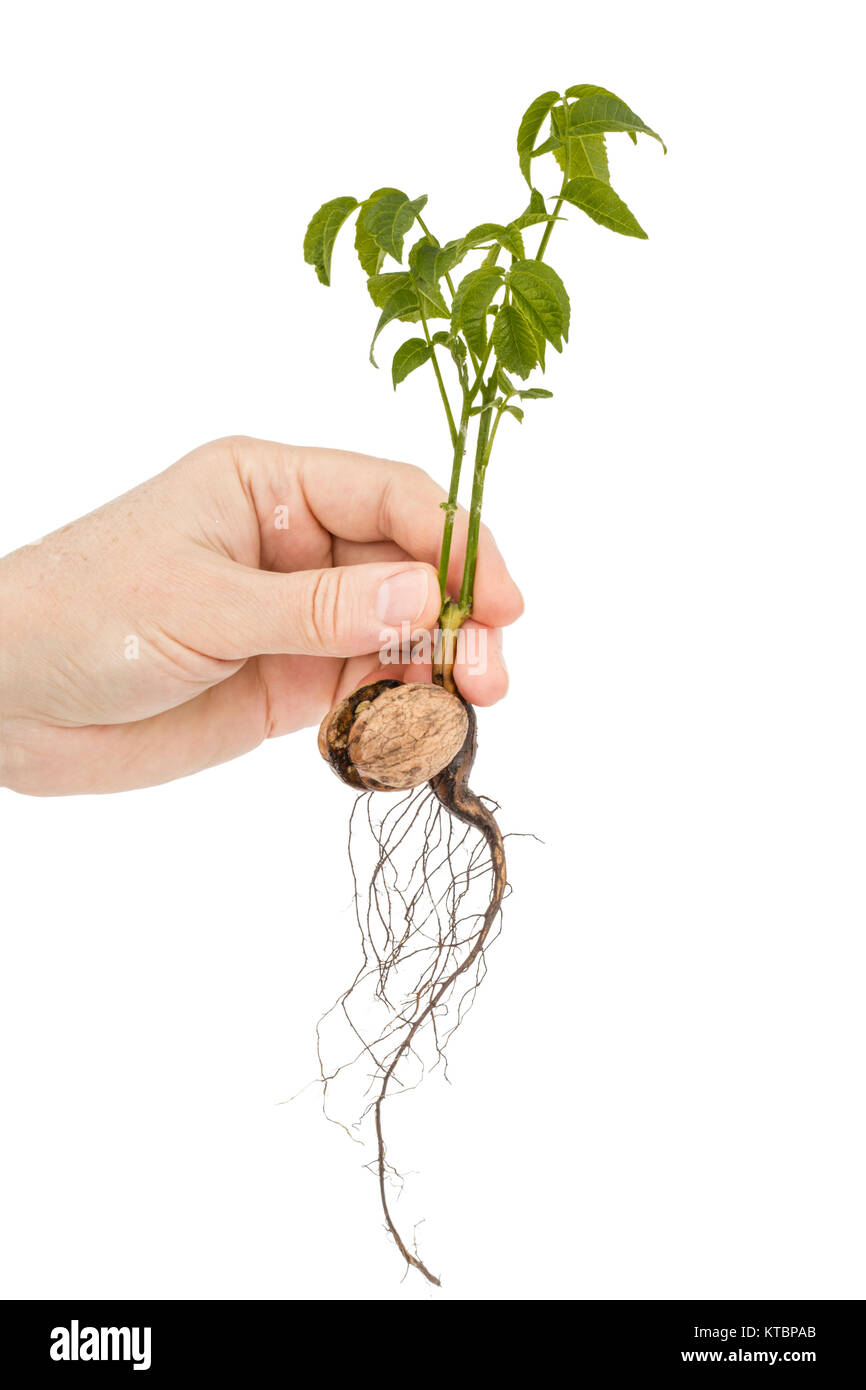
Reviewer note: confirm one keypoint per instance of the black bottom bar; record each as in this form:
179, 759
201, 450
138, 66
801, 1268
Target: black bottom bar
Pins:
166, 1341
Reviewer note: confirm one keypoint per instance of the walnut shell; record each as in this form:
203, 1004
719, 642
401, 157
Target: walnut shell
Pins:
391, 737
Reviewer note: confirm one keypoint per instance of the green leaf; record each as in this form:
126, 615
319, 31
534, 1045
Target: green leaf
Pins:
381, 287
533, 119
431, 261
422, 257
599, 202
401, 303
322, 233
515, 411
553, 142
580, 156
471, 302
370, 253
584, 90
535, 213
431, 301
601, 111
535, 393
412, 354
587, 157
389, 219
514, 341
540, 294
511, 240
507, 237
447, 257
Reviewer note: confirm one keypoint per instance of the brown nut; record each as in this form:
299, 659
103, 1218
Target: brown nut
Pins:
390, 737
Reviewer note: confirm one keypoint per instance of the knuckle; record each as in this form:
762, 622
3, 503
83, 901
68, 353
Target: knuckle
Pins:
325, 607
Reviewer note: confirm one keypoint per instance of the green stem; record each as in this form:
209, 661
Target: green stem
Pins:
483, 447
450, 507
452, 428
542, 245
453, 614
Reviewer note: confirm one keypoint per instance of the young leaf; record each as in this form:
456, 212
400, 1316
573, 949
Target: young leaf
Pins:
431, 301
535, 393
471, 302
514, 341
412, 354
553, 142
381, 287
389, 219
599, 202
538, 291
592, 114
535, 213
370, 253
515, 411
447, 257
403, 302
579, 156
583, 90
422, 259
322, 233
510, 240
533, 119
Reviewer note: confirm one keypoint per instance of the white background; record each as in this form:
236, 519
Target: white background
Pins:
659, 1091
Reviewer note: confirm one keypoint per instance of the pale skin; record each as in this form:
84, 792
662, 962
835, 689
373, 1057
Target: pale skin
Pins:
257, 582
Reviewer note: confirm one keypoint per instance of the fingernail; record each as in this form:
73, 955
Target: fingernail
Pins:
403, 597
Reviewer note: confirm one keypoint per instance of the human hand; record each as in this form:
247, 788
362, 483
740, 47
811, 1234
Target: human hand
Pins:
234, 597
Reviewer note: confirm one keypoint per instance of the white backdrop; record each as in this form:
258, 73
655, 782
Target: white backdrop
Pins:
659, 1091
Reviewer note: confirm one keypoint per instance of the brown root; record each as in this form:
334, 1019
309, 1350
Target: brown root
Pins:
422, 938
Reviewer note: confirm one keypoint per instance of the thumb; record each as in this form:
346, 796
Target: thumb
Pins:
346, 610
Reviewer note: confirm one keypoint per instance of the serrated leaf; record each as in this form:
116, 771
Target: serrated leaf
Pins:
579, 156
536, 212
370, 254
599, 202
585, 90
533, 119
514, 341
508, 238
511, 240
540, 294
471, 302
448, 256
480, 235
422, 259
553, 142
322, 233
398, 305
601, 111
431, 301
381, 287
390, 218
535, 393
431, 261
506, 386
412, 354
